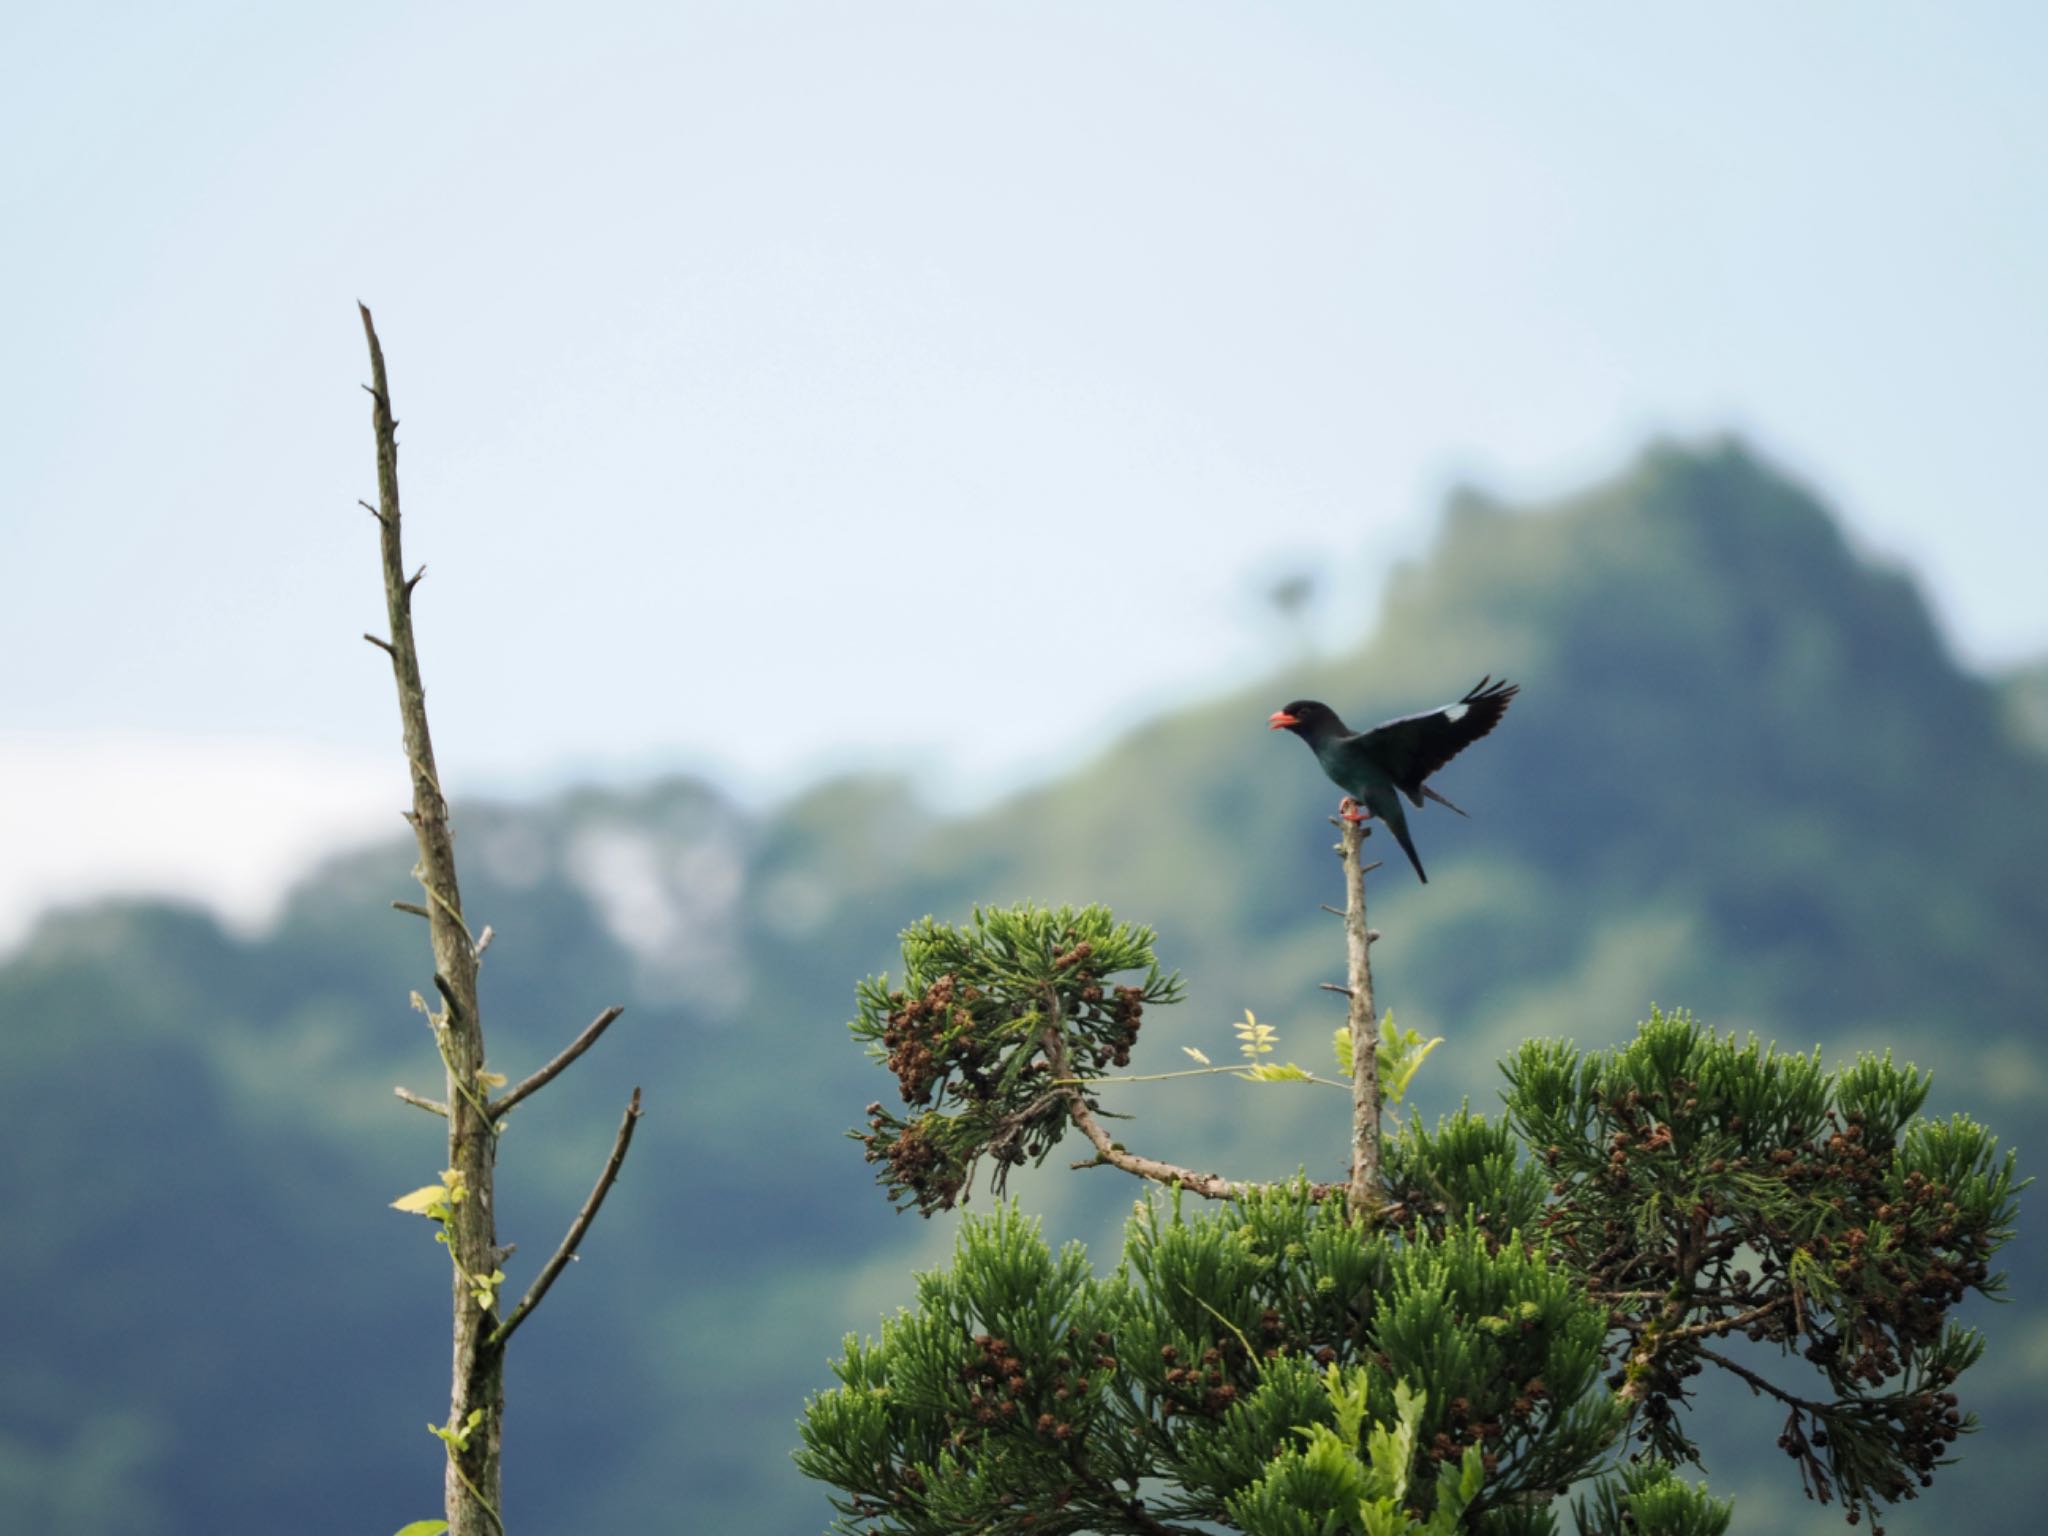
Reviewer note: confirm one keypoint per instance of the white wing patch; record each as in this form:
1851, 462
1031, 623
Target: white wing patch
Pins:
1456, 712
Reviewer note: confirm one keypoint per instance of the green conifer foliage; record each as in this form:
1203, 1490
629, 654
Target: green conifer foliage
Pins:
987, 1017
1513, 1322
1709, 1191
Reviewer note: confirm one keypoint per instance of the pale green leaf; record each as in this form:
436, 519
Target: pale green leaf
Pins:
1401, 1055
1196, 1054
1275, 1072
1253, 1038
422, 1200
423, 1528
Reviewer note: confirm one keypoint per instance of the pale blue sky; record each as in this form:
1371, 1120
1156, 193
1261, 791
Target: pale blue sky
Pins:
796, 385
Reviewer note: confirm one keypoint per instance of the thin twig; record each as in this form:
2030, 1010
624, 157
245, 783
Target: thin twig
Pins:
1331, 986
1248, 1073
1758, 1383
415, 909
443, 902
1726, 1324
382, 645
562, 1255
1209, 1185
547, 1074
482, 1502
421, 1101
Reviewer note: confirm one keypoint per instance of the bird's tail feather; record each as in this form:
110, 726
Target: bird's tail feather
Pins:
1440, 800
1399, 827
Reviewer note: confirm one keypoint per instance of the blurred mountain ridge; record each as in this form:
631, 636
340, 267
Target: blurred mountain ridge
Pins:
1745, 776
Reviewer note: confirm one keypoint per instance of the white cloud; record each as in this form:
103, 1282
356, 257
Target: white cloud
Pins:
226, 822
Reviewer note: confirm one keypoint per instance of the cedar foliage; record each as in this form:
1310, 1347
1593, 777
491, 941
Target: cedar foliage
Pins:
1516, 1324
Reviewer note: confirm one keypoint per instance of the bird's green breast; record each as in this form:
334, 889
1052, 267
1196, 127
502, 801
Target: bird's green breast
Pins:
1353, 770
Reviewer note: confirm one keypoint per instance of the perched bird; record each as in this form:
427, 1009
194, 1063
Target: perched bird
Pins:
1371, 766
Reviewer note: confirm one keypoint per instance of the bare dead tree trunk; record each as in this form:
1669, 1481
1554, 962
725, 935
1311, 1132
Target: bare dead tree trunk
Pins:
1364, 1197
471, 1486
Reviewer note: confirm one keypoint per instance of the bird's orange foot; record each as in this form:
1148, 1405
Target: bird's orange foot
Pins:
1348, 810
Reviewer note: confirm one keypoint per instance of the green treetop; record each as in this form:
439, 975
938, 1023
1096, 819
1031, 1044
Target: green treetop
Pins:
1508, 1319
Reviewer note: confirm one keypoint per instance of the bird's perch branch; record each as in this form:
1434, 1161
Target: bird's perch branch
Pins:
548, 1073
562, 1255
1365, 1195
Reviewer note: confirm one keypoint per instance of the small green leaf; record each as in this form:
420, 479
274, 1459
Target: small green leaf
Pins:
1401, 1055
423, 1528
422, 1200
1196, 1054
491, 1079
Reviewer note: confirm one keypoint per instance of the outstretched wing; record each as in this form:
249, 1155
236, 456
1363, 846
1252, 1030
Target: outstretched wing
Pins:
1413, 747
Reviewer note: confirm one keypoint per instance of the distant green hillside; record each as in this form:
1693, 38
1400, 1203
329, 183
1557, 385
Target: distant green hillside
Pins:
2025, 690
1744, 776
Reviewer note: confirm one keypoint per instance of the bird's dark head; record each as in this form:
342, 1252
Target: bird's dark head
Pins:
1308, 719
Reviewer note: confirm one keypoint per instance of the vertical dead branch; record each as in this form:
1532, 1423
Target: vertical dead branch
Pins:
472, 1481
1364, 1198
476, 1399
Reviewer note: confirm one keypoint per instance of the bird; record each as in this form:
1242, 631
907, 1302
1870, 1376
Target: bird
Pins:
1376, 767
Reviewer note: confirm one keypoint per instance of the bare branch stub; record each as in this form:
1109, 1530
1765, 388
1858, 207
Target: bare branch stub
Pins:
447, 990
547, 1074
420, 1101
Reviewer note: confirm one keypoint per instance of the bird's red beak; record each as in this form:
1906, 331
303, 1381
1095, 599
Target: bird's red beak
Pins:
1279, 720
